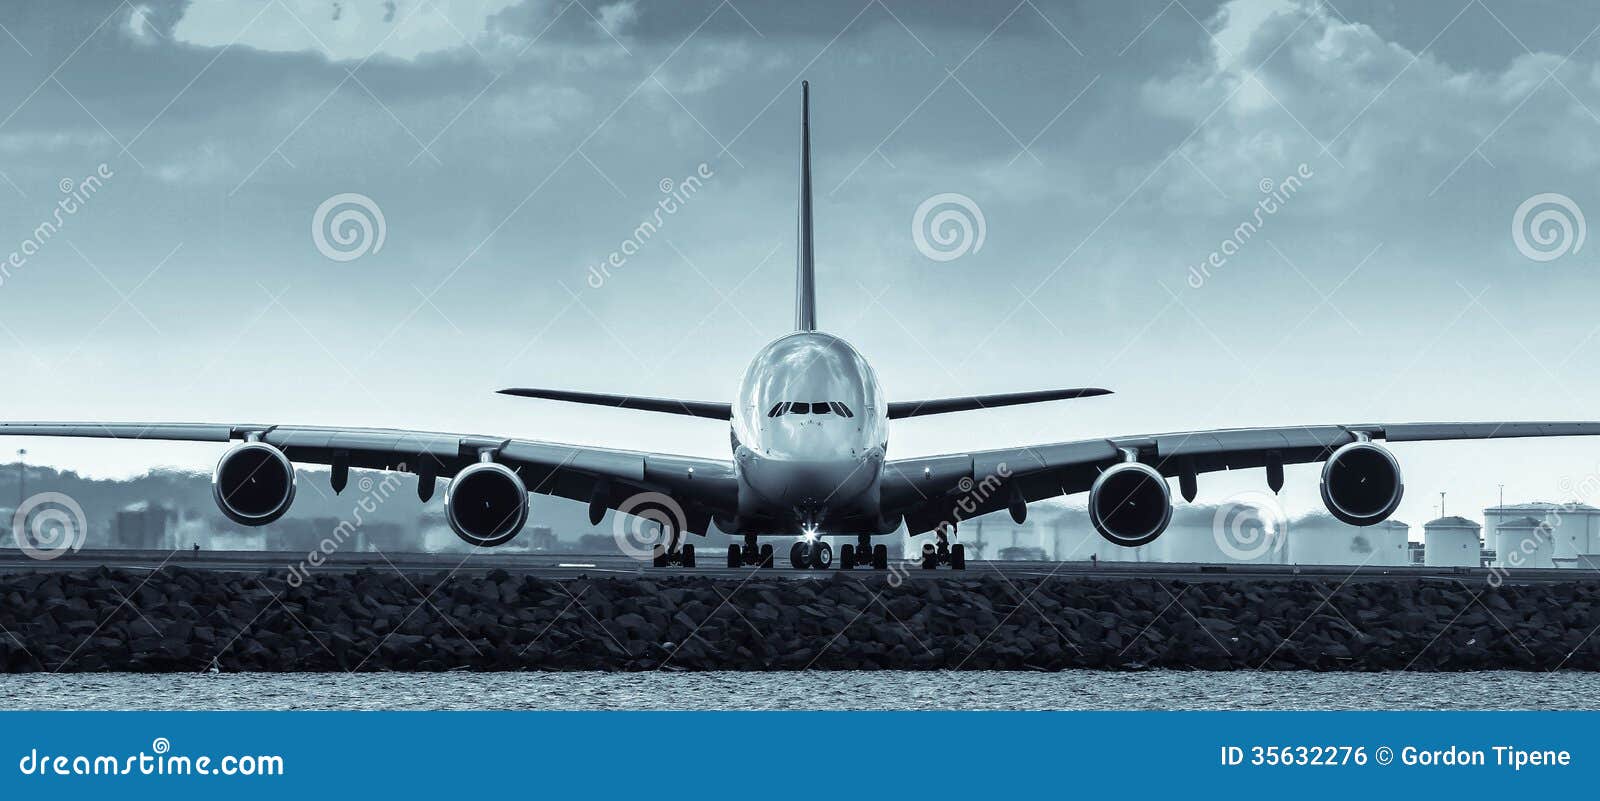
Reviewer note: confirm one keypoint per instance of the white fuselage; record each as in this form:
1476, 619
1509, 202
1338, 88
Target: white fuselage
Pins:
810, 428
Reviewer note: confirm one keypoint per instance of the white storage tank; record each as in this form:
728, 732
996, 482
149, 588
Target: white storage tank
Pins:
1451, 542
1320, 539
1391, 542
1495, 515
1524, 542
1576, 530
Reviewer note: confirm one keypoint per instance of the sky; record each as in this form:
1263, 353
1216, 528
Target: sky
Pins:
1110, 149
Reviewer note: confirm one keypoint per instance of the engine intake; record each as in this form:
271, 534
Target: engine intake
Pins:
253, 484
1361, 484
486, 504
1130, 504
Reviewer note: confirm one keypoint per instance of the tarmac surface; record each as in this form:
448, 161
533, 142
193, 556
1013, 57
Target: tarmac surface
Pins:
561, 566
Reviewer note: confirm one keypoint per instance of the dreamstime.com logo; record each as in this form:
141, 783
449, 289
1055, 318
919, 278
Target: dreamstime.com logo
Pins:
641, 524
1274, 196
675, 197
158, 761
48, 525
1548, 226
348, 226
948, 226
373, 494
1249, 525
75, 196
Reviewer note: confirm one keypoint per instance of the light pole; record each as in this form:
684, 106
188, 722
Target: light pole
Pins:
22, 476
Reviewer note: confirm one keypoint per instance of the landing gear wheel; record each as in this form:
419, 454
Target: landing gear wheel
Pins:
661, 559
798, 556
930, 557
958, 557
880, 557
847, 557
766, 555
686, 556
821, 555
735, 556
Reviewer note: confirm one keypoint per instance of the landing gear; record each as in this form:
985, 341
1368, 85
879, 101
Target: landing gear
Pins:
816, 555
943, 553
680, 557
672, 555
749, 555
864, 554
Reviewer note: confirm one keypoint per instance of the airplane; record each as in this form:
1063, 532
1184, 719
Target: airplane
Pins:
809, 430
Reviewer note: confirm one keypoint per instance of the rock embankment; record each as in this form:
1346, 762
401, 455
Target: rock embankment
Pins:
185, 620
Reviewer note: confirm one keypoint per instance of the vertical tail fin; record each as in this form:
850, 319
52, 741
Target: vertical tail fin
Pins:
805, 296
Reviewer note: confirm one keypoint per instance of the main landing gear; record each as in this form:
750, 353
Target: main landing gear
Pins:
863, 554
748, 555
816, 554
675, 553
944, 553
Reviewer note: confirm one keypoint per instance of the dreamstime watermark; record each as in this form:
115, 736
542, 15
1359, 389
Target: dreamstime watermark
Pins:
373, 494
1249, 525
75, 196
642, 523
348, 226
974, 495
1548, 226
158, 761
676, 195
48, 525
1527, 548
1275, 195
948, 226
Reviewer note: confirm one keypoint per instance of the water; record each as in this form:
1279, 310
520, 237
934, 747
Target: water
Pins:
806, 690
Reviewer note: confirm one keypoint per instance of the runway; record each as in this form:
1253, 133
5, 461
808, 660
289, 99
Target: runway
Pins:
562, 566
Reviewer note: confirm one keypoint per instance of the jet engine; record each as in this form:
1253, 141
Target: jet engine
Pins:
1130, 504
253, 484
486, 504
1361, 484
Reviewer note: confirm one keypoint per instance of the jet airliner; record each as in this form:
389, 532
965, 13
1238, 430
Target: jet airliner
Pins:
809, 455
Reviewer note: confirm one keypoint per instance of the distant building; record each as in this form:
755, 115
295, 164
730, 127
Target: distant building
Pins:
144, 526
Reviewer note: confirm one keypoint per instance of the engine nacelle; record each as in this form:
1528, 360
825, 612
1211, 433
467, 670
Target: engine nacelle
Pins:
486, 504
253, 484
1130, 504
1361, 484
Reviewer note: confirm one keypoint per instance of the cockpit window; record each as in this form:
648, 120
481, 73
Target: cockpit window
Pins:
814, 407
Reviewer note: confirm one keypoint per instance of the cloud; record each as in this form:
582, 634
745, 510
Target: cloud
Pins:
1285, 79
341, 30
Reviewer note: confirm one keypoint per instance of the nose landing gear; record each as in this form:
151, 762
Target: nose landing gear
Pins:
748, 555
814, 554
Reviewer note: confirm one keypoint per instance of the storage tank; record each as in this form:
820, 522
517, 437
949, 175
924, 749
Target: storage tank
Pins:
1576, 532
1391, 541
1495, 515
1524, 542
1320, 539
1451, 542
1248, 528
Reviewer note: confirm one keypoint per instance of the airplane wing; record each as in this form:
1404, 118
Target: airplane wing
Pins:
691, 408
917, 408
605, 479
723, 411
928, 490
